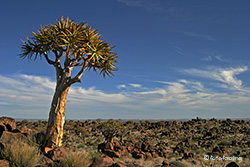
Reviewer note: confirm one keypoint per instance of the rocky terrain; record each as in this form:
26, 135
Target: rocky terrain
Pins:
115, 143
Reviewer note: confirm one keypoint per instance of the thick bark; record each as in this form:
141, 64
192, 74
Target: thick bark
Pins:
54, 133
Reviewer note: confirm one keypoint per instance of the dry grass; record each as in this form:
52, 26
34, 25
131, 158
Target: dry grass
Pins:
20, 154
76, 159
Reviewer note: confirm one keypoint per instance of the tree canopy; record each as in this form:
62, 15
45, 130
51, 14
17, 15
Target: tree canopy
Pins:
81, 45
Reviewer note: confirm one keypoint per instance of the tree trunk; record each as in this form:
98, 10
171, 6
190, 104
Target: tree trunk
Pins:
54, 132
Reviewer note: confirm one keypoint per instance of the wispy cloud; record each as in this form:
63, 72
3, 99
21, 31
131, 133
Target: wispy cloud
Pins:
200, 36
135, 85
121, 86
227, 75
145, 4
178, 50
31, 95
208, 58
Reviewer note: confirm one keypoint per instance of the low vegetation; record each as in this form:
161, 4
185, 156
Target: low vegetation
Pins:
20, 154
138, 143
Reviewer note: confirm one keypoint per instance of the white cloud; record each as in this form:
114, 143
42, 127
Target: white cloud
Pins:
42, 81
135, 85
32, 95
227, 75
121, 86
149, 5
200, 36
178, 50
208, 58
78, 94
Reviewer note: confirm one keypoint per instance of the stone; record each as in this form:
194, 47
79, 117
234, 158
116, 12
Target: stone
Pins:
1, 146
112, 153
2, 128
41, 165
4, 163
232, 164
46, 161
8, 122
192, 155
176, 164
47, 149
102, 162
154, 155
24, 129
7, 136
101, 147
109, 146
138, 155
186, 155
165, 162
119, 164
57, 153
16, 131
117, 145
40, 137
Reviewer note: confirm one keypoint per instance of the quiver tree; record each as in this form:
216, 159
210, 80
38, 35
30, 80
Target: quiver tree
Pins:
66, 45
111, 129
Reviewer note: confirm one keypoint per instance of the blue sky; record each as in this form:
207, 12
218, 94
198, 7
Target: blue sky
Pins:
178, 59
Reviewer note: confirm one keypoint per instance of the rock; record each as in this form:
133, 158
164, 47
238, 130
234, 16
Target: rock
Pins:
216, 150
124, 152
117, 145
138, 155
148, 155
108, 149
102, 162
16, 131
4, 163
1, 146
154, 155
8, 122
45, 161
24, 129
109, 146
7, 136
119, 164
2, 128
232, 164
101, 147
57, 153
112, 153
47, 149
165, 163
41, 165
129, 146
134, 165
40, 137
176, 164
192, 155
145, 147
185, 155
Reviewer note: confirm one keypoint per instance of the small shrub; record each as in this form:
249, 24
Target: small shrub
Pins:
20, 154
76, 159
111, 128
94, 154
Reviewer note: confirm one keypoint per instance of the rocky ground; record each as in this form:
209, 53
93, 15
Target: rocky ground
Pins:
197, 142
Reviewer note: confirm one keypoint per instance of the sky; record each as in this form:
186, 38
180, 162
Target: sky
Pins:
178, 59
